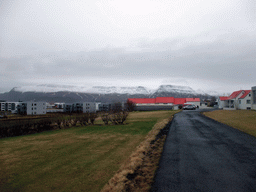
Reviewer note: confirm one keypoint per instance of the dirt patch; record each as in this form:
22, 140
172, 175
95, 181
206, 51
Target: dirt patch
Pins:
137, 173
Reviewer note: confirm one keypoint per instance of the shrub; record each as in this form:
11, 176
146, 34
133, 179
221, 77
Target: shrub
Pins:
92, 117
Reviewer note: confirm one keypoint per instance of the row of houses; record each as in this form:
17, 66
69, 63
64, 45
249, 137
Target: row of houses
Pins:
242, 99
40, 108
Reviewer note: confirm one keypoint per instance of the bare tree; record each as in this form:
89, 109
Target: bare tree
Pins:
129, 105
92, 117
105, 116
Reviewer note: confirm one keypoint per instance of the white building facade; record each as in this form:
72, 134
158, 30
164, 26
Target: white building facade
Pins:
32, 108
9, 106
253, 98
244, 102
82, 107
243, 99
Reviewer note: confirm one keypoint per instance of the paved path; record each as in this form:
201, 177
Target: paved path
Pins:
203, 155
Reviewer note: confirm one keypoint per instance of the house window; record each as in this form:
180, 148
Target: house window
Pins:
248, 101
35, 108
32, 108
35, 104
239, 101
249, 94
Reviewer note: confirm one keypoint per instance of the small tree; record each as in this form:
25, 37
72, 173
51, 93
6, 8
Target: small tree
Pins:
212, 101
118, 115
129, 105
92, 117
105, 116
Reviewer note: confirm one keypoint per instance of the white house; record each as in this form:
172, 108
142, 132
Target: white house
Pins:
253, 97
244, 102
237, 100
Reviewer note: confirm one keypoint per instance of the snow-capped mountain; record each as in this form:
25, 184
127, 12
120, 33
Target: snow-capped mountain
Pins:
202, 92
49, 88
46, 88
162, 89
175, 89
66, 93
120, 90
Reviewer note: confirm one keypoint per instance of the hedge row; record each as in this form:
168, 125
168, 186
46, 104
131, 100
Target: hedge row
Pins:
29, 126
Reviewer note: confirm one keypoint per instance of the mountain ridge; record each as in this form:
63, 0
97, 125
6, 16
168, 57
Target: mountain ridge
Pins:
53, 93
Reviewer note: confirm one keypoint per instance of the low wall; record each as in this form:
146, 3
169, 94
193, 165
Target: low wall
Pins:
152, 108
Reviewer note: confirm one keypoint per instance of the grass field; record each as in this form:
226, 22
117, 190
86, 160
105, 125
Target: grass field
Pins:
244, 120
75, 159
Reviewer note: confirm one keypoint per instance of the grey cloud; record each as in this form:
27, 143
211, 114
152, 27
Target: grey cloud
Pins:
227, 58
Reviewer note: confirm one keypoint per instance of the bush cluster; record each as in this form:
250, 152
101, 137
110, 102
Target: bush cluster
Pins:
16, 127
114, 117
117, 115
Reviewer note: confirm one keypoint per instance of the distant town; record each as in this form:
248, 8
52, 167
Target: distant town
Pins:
241, 99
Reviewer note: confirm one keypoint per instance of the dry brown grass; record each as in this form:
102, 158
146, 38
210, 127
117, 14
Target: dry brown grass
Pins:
135, 116
75, 159
244, 120
137, 172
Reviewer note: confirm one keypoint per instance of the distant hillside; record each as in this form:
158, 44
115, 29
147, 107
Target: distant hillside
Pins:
96, 94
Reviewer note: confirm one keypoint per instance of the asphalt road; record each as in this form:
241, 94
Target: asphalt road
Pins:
201, 154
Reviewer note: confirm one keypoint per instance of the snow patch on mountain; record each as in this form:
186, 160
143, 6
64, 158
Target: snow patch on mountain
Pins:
47, 88
51, 88
175, 89
120, 90
211, 93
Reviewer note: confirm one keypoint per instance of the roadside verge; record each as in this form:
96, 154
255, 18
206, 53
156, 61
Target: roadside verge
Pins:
137, 172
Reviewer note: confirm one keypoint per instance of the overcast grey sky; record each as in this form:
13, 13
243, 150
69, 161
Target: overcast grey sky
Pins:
205, 44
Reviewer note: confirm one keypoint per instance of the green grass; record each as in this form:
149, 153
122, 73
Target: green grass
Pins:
75, 159
244, 120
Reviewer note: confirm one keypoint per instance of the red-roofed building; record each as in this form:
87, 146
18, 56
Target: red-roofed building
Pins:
180, 101
237, 100
193, 101
165, 101
143, 100
244, 102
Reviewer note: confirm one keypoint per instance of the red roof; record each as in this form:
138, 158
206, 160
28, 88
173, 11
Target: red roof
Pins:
180, 101
165, 100
192, 99
143, 100
246, 92
176, 101
223, 98
234, 94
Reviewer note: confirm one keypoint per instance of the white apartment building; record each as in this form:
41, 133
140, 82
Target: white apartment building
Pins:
84, 107
32, 108
9, 106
